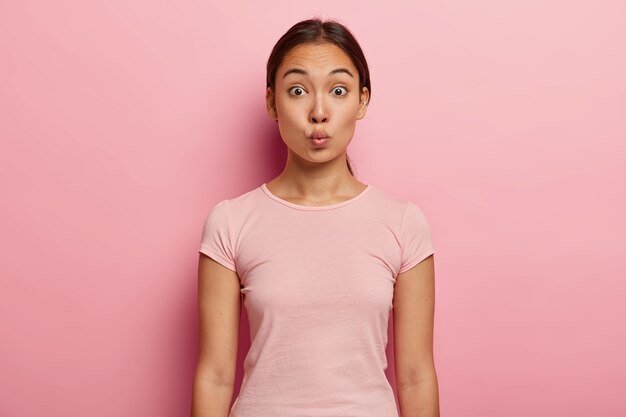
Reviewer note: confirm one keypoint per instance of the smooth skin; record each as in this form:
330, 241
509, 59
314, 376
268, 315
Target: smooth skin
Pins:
312, 98
303, 103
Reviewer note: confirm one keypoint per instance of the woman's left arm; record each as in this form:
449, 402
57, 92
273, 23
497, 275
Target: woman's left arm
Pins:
413, 314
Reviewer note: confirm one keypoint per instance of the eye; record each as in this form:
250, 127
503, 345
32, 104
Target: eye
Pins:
299, 91
340, 89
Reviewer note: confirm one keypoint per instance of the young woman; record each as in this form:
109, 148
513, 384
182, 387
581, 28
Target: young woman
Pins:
319, 258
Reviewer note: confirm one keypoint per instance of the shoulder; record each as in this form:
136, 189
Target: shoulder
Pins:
229, 213
238, 205
222, 226
395, 205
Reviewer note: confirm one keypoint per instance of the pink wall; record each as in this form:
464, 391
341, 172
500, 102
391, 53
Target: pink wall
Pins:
123, 122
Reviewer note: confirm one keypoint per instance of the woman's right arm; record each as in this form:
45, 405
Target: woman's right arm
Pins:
219, 308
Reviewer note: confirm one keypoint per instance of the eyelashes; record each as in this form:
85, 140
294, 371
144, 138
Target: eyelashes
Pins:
300, 91
339, 88
296, 89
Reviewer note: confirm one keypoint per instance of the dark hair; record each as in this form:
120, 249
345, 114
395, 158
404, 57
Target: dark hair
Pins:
317, 31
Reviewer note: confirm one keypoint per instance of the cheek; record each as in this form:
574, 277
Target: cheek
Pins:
347, 114
289, 119
287, 112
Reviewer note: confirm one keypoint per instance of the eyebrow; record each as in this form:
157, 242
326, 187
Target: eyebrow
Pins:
303, 72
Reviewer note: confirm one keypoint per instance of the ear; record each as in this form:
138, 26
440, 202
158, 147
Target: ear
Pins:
270, 104
363, 102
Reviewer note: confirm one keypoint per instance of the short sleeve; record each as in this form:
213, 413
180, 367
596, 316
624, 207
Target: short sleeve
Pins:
217, 236
415, 239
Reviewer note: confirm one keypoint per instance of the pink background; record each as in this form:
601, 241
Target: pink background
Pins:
124, 122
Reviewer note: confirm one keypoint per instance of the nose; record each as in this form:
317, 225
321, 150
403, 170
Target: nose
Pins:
319, 114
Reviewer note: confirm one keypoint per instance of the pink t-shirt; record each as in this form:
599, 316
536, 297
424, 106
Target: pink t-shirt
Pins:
318, 286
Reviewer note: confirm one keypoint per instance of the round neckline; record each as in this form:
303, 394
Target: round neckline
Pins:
314, 208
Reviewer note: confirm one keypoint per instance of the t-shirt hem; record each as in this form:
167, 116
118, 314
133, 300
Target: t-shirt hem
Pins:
417, 260
217, 257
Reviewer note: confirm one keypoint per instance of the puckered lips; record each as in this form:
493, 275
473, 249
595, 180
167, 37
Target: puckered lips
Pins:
319, 134
319, 138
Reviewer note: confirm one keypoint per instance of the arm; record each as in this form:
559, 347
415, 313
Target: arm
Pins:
219, 308
413, 314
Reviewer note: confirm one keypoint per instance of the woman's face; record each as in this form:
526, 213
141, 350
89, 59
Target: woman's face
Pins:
317, 90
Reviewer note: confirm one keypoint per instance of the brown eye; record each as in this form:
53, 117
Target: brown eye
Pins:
340, 89
299, 90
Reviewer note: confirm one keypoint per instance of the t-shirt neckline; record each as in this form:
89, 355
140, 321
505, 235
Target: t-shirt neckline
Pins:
315, 208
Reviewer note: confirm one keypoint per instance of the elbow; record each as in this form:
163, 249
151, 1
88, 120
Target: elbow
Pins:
223, 378
415, 377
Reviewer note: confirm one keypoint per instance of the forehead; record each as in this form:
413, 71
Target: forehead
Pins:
321, 57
